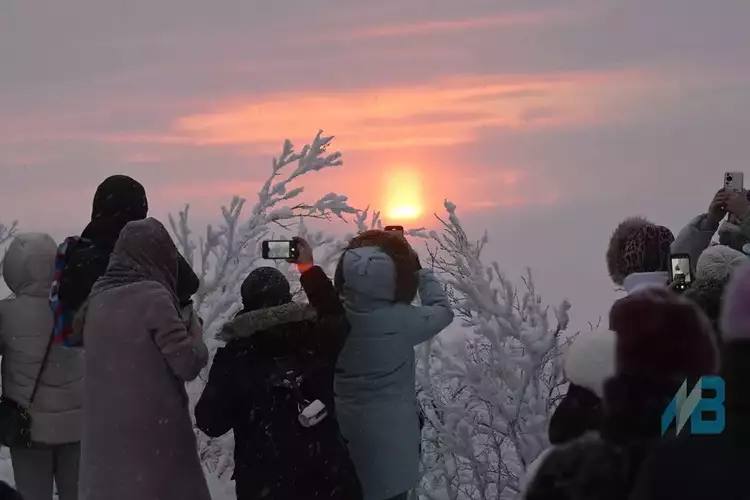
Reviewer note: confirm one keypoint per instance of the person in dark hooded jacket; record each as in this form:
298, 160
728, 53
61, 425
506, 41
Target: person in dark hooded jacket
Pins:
279, 361
117, 201
662, 340
138, 437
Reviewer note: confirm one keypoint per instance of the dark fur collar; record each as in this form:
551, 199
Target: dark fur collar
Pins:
247, 324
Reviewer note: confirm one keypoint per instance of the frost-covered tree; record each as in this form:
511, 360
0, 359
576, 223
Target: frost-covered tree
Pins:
6, 234
486, 405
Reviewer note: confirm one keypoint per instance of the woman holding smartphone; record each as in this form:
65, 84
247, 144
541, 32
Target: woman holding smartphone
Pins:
378, 277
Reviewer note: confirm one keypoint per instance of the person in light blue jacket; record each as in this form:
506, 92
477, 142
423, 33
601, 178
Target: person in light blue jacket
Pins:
378, 277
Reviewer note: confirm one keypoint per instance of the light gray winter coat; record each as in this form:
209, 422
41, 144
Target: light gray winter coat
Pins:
375, 389
138, 440
694, 238
25, 329
697, 235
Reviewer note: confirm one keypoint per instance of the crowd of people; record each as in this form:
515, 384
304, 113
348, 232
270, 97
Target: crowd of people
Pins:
609, 436
100, 337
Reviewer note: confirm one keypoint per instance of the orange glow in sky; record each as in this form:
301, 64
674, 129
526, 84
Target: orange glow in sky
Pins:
403, 194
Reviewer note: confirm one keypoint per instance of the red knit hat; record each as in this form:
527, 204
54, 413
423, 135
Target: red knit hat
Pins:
663, 335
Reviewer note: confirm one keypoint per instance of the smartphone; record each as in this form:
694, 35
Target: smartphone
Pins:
398, 229
679, 271
280, 250
734, 181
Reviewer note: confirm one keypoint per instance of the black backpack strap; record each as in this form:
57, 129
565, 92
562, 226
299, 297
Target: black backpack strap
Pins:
41, 369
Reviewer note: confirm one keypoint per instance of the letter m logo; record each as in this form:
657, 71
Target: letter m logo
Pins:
684, 407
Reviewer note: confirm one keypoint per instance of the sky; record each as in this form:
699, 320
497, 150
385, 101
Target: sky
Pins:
545, 121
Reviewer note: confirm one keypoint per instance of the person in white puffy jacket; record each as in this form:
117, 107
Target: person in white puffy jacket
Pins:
378, 277
25, 330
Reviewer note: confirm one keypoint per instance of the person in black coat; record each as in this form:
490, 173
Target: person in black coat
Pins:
712, 466
279, 361
662, 339
118, 200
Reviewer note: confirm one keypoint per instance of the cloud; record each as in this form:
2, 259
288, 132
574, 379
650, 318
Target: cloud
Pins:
438, 26
443, 112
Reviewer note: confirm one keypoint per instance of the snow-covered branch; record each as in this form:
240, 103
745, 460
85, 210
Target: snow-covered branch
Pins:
487, 406
228, 251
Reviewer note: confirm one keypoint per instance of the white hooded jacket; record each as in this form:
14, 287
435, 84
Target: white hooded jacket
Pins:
25, 329
375, 397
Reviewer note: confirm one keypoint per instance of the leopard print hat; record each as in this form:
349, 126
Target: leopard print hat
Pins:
638, 246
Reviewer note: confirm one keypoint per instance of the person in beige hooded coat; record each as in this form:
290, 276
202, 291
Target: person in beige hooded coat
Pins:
138, 440
25, 329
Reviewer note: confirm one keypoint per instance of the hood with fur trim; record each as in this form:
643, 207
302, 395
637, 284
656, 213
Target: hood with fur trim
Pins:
247, 324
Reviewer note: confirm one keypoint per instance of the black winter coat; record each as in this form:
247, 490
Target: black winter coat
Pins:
605, 467
707, 467
275, 456
89, 258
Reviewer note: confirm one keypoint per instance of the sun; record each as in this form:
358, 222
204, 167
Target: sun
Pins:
403, 195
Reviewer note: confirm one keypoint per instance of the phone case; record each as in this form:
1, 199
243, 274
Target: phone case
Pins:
734, 181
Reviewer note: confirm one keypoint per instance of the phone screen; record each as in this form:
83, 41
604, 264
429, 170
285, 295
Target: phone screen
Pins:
681, 270
279, 250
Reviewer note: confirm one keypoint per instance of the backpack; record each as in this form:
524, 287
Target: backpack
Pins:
62, 329
291, 379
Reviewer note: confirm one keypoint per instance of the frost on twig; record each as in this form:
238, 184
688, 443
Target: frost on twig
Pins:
226, 252
7, 233
487, 406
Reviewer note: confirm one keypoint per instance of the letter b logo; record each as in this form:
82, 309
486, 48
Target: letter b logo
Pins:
695, 407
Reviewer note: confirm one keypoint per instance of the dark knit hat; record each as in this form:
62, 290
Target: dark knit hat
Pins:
265, 287
120, 197
638, 246
708, 294
662, 335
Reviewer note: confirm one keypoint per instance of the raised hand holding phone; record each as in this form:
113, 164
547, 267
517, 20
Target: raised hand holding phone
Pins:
717, 210
304, 259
